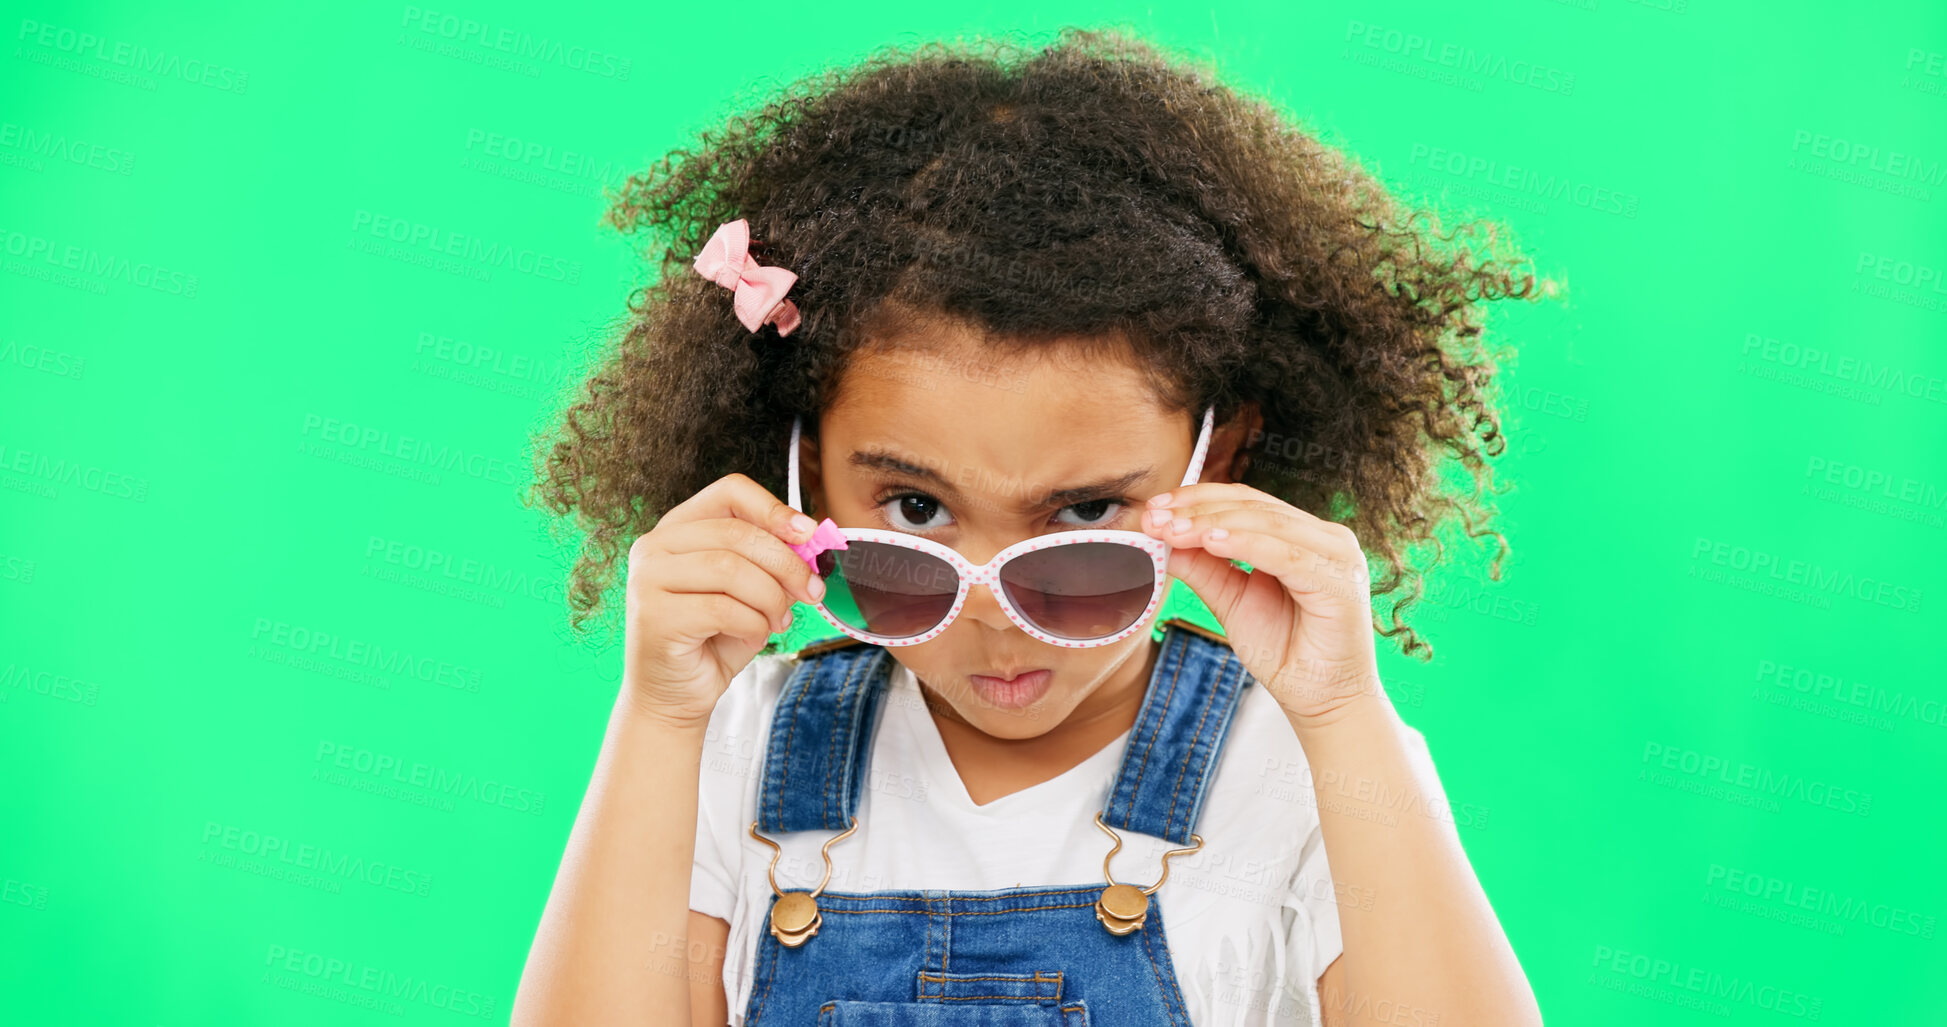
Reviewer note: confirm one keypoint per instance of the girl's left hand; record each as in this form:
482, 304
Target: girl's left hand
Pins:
1301, 618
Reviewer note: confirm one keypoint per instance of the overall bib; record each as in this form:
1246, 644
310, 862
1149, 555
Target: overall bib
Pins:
1062, 955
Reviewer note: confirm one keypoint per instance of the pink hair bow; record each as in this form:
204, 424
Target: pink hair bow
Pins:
760, 289
824, 536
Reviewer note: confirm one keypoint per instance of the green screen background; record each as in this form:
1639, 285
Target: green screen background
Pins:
1706, 672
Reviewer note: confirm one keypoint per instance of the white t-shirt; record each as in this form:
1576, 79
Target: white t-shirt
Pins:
1251, 919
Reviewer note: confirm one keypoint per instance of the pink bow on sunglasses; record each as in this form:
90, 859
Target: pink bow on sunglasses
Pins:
1075, 589
760, 289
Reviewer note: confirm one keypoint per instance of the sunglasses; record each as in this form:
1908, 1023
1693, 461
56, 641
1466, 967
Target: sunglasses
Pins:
1069, 588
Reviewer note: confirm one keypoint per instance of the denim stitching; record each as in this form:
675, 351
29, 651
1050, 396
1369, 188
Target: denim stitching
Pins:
928, 952
864, 721
858, 739
1162, 718
946, 943
984, 998
831, 740
1124, 790
1039, 977
945, 958
1201, 759
924, 895
838, 719
1146, 725
790, 728
1164, 984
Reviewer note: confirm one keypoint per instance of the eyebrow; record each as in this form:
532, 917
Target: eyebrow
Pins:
880, 460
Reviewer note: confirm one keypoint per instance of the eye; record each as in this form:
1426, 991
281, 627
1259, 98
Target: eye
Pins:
913, 511
1096, 512
919, 512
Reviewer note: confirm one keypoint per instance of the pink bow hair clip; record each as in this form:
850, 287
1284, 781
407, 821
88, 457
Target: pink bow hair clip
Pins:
759, 288
824, 536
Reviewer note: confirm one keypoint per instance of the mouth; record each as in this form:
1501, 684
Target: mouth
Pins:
1016, 692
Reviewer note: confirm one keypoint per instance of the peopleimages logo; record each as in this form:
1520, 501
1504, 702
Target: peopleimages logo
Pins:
298, 855
313, 645
419, 237
51, 471
515, 43
1709, 987
382, 766
1816, 578
1822, 901
1919, 384
1529, 181
1862, 695
121, 54
1722, 770
1870, 157
1465, 59
422, 453
374, 982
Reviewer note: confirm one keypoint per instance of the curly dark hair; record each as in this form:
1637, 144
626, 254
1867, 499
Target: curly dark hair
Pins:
1096, 186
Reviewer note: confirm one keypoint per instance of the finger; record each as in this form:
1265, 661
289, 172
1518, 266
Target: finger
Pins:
757, 545
1216, 581
740, 496
1216, 495
1255, 538
730, 573
754, 545
1206, 492
1186, 525
696, 618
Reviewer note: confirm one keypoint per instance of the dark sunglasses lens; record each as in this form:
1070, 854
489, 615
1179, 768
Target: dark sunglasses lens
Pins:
889, 591
1081, 591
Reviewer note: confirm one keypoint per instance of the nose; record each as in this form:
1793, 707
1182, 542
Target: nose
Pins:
983, 607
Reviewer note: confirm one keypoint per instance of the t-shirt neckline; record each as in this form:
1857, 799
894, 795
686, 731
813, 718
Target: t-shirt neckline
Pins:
908, 700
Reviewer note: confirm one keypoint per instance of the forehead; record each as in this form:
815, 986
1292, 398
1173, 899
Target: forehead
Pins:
1000, 427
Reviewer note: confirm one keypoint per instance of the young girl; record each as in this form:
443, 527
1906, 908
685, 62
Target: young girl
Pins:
1030, 336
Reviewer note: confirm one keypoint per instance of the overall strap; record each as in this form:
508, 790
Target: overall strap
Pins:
814, 764
1179, 733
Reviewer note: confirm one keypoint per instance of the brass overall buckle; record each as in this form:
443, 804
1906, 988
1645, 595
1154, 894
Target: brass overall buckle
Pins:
795, 916
1122, 908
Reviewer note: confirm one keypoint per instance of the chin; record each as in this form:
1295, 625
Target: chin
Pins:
1030, 722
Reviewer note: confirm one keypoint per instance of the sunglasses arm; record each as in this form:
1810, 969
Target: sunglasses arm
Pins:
797, 424
1203, 446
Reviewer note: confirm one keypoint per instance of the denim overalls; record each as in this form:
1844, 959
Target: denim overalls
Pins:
1010, 957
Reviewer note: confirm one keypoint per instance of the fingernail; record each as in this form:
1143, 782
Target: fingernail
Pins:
787, 620
1157, 517
802, 524
1162, 500
1218, 533
817, 588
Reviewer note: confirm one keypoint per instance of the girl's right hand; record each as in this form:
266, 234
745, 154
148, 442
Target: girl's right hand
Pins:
707, 586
